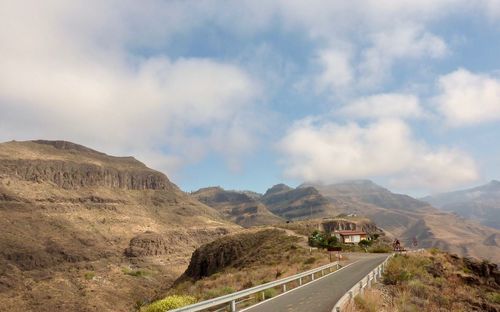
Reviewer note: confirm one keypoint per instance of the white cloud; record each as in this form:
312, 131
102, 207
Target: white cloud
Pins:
386, 105
466, 98
401, 43
63, 77
327, 152
337, 71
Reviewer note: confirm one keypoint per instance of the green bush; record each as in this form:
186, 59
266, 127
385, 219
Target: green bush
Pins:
365, 243
494, 297
323, 240
169, 303
89, 275
269, 293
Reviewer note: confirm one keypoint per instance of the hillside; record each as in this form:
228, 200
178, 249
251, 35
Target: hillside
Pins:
246, 259
481, 203
404, 217
433, 281
243, 208
299, 203
84, 231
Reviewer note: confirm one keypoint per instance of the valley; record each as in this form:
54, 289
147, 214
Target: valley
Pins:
85, 231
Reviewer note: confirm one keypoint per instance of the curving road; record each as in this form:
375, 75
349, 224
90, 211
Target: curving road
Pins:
322, 294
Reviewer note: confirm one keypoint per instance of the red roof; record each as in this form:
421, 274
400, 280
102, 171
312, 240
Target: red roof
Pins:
350, 232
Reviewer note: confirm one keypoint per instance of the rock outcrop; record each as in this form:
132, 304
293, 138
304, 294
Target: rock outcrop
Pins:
228, 251
67, 215
69, 175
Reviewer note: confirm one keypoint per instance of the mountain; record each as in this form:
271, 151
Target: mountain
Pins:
405, 217
368, 192
84, 231
243, 208
481, 203
299, 203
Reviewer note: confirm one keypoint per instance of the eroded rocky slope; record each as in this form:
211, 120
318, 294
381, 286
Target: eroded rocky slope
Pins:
243, 208
406, 218
480, 203
84, 231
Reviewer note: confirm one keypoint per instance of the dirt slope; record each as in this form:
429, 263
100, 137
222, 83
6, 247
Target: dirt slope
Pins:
84, 231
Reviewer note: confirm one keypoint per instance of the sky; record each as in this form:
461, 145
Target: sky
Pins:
247, 94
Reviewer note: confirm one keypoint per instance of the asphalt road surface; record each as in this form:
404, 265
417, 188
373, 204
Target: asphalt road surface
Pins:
322, 294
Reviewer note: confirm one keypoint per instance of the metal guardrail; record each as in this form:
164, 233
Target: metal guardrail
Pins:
366, 282
232, 299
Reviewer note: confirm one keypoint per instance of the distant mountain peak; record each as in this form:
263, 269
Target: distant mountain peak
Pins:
278, 188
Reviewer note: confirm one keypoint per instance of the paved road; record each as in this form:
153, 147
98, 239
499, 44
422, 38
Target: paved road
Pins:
321, 295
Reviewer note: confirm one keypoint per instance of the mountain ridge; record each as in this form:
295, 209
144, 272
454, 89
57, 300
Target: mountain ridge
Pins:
78, 224
481, 203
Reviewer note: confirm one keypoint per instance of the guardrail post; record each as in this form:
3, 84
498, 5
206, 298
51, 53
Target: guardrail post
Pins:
338, 265
337, 309
233, 306
312, 277
350, 295
263, 296
300, 281
361, 287
322, 273
284, 287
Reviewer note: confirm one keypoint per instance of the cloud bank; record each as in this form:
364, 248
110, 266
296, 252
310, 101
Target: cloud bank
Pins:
324, 151
64, 78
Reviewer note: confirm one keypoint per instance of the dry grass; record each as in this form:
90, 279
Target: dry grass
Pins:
432, 281
293, 261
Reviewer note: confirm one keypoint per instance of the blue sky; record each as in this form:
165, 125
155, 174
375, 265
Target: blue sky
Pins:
247, 94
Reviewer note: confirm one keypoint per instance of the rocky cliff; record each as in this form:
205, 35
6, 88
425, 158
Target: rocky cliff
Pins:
81, 228
98, 169
236, 251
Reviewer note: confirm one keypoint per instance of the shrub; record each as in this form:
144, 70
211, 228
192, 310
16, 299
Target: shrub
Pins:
323, 240
310, 260
434, 251
494, 297
365, 243
89, 275
169, 303
402, 268
418, 289
370, 301
380, 248
136, 273
269, 293
217, 292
